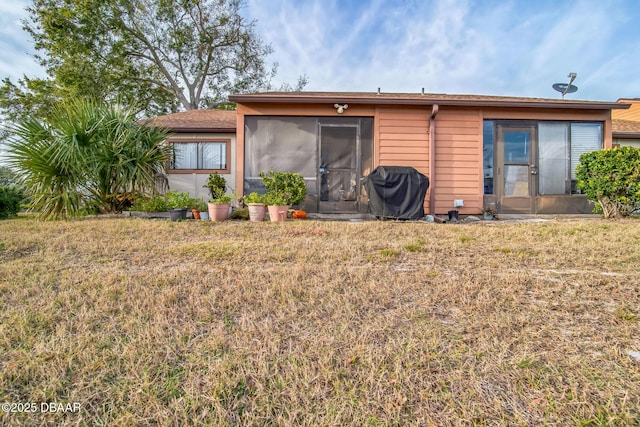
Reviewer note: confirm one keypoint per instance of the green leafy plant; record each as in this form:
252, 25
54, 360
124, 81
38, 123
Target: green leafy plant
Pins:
198, 204
178, 200
254, 198
287, 187
221, 200
10, 198
87, 154
275, 199
150, 204
217, 186
611, 179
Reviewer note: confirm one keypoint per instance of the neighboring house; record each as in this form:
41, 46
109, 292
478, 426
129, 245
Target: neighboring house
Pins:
626, 124
515, 154
203, 142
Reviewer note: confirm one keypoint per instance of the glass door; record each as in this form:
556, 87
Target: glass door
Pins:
338, 171
517, 169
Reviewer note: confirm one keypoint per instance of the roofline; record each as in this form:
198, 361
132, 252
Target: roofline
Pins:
427, 100
201, 130
626, 135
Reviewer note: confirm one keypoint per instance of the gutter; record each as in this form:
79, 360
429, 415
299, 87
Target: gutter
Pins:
432, 159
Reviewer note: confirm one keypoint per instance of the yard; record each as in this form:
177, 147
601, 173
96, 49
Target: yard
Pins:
142, 322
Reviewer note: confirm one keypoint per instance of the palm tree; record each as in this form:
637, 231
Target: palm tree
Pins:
89, 155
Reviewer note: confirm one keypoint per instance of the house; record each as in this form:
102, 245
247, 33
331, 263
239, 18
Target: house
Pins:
626, 124
515, 154
203, 142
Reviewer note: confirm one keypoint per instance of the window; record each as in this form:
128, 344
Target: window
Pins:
207, 156
560, 145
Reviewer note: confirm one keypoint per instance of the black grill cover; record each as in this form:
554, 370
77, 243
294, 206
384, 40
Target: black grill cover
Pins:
396, 192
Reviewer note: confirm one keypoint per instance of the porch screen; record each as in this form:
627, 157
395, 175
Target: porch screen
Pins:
281, 144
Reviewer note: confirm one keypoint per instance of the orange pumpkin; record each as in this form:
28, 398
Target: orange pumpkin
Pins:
299, 214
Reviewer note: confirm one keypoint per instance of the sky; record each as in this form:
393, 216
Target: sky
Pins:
486, 47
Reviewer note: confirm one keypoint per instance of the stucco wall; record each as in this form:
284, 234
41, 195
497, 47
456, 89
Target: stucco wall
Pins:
193, 182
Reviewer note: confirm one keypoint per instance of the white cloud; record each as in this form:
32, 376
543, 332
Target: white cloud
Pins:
15, 45
515, 47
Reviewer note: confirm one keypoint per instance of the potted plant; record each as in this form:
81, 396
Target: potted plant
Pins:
283, 190
488, 213
257, 208
177, 204
197, 206
220, 202
277, 206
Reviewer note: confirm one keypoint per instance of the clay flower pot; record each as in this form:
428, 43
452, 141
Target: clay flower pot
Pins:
278, 213
218, 211
257, 212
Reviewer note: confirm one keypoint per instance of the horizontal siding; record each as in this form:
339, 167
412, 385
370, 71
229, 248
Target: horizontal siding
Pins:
403, 138
458, 161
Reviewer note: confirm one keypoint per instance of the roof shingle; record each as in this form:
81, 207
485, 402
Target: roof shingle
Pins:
197, 121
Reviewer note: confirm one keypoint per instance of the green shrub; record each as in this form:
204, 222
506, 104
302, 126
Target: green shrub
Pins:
10, 198
287, 187
611, 179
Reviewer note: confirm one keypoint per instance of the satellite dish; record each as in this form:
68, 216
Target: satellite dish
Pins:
565, 88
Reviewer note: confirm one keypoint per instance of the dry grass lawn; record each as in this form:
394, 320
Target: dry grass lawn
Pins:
311, 323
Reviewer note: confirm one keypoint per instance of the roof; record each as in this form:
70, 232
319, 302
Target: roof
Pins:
223, 121
421, 99
625, 128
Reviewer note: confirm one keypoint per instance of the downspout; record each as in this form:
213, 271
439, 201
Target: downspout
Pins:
432, 159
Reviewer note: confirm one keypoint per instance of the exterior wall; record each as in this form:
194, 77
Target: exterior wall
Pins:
627, 142
458, 160
193, 182
633, 113
402, 137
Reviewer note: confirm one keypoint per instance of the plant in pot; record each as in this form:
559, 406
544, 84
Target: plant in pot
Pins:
488, 213
220, 202
177, 204
283, 190
256, 206
198, 207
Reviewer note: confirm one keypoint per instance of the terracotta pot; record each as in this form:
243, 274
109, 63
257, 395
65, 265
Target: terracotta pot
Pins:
195, 213
257, 211
218, 211
278, 213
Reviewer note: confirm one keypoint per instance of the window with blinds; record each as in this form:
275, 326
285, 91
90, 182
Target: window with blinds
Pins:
200, 156
585, 137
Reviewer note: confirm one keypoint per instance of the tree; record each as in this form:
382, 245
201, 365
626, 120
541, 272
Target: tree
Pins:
158, 54
611, 179
89, 155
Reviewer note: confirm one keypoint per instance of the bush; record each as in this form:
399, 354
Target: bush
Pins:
162, 203
10, 198
611, 179
287, 188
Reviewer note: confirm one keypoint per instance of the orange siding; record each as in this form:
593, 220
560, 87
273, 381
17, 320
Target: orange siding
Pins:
402, 138
458, 160
633, 113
